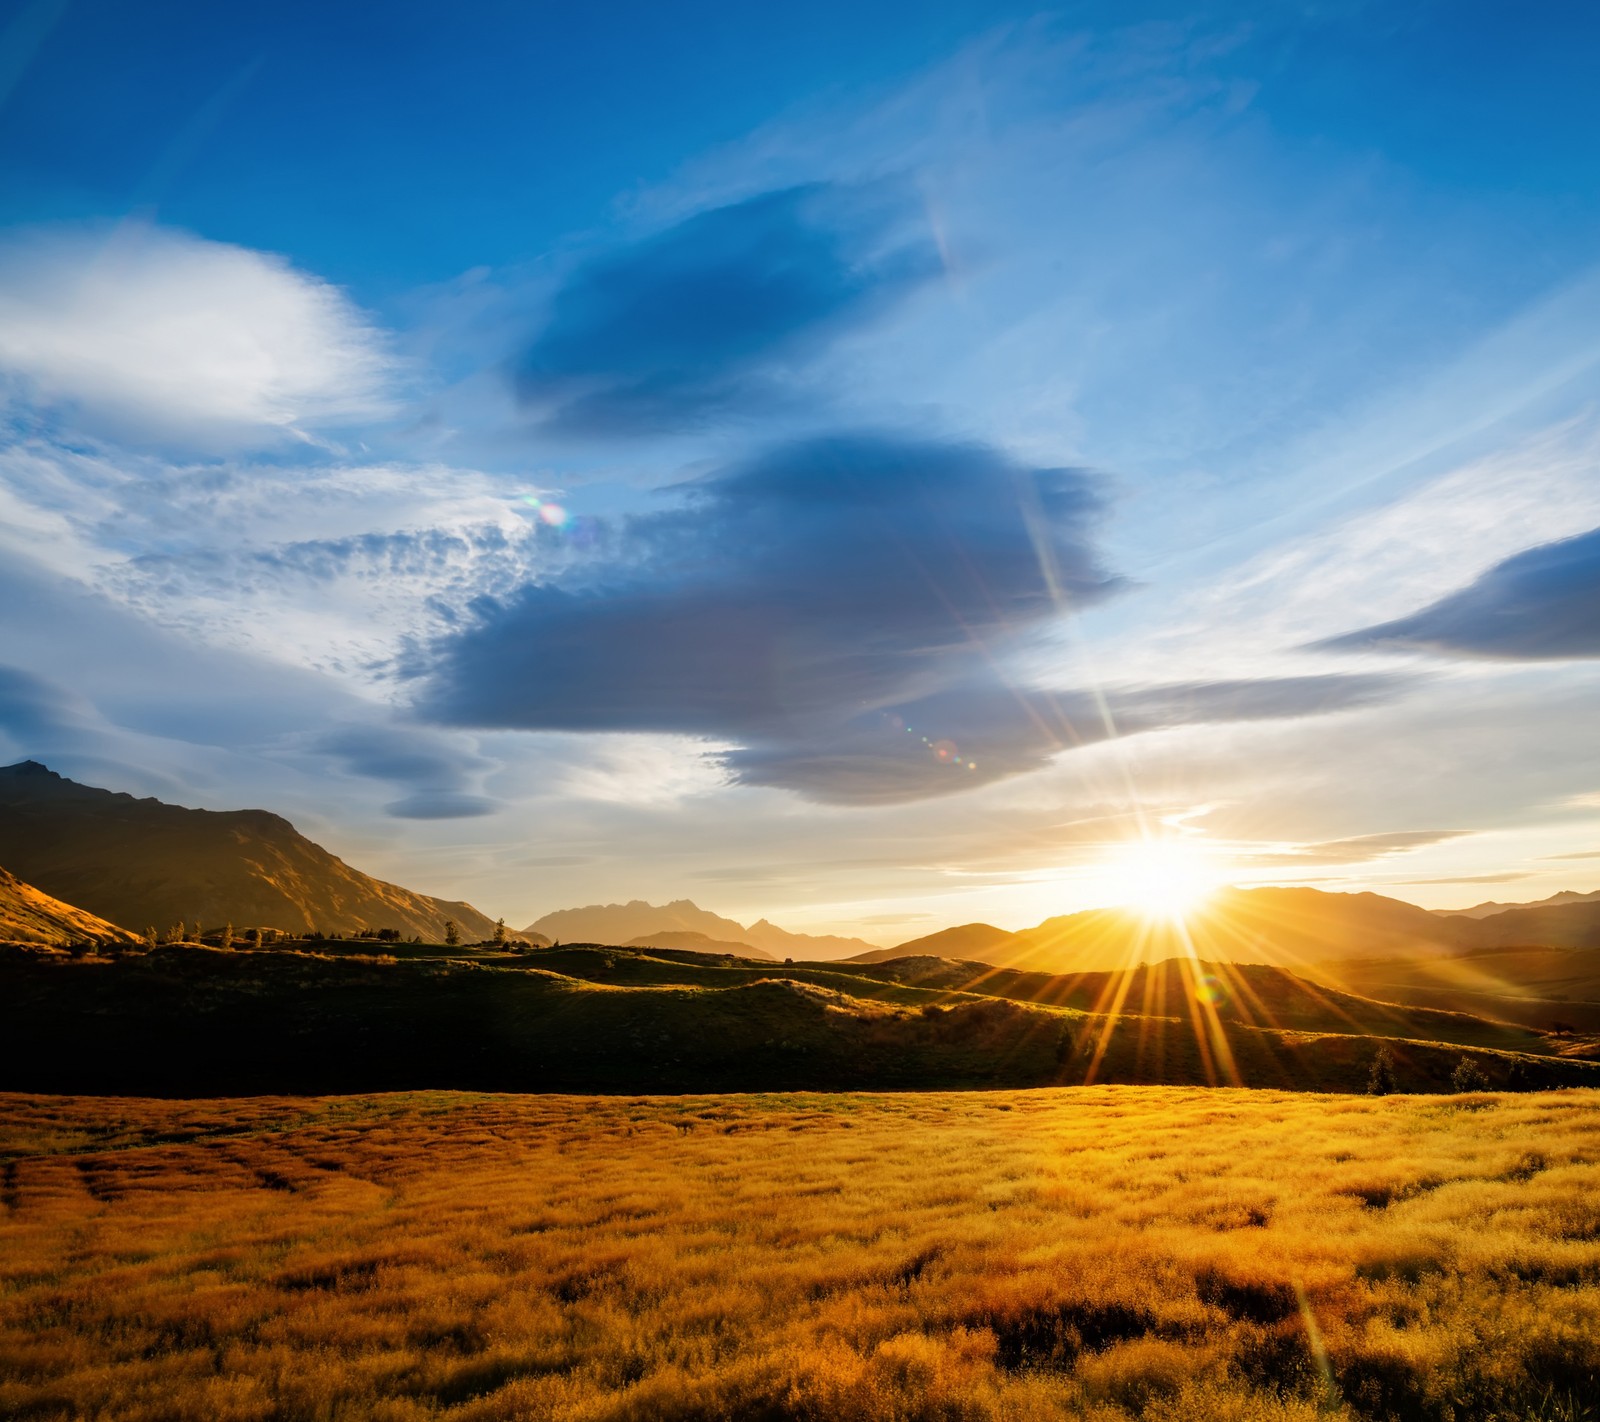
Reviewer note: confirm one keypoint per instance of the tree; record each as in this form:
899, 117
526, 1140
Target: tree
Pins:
452, 934
1383, 1081
150, 936
227, 936
1468, 1076
178, 934
252, 937
499, 933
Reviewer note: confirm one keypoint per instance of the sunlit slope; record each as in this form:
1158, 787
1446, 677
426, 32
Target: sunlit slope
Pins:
1270, 925
29, 916
142, 863
191, 1020
1256, 994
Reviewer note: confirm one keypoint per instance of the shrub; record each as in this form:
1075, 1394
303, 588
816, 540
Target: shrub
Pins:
1383, 1081
1468, 1076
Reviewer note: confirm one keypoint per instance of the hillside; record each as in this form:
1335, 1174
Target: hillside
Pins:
189, 1020
1537, 987
140, 863
29, 916
635, 920
970, 940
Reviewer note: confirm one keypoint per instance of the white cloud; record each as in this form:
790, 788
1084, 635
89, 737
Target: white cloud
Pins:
152, 334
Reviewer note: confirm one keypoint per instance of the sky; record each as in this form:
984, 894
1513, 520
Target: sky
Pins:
862, 465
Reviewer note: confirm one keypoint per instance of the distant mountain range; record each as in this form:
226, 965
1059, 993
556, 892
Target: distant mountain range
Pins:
637, 921
29, 916
698, 943
1488, 910
142, 863
1267, 925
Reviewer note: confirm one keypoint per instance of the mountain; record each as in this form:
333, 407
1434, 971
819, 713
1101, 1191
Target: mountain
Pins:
1268, 925
687, 942
29, 916
1488, 910
971, 940
142, 862
1573, 924
626, 923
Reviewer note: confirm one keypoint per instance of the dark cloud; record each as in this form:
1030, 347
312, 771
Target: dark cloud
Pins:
838, 611
699, 321
440, 805
1541, 605
434, 773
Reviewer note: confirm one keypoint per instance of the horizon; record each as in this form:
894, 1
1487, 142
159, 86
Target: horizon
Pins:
875, 470
1126, 903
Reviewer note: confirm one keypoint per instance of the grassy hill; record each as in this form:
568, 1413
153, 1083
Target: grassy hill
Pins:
1537, 987
141, 862
188, 1020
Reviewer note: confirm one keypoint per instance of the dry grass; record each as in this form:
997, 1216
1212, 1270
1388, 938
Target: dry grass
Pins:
1098, 1252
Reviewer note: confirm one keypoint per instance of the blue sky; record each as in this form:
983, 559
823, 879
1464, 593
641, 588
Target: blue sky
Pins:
861, 464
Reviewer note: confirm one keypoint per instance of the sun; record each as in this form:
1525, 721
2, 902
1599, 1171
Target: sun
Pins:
1160, 879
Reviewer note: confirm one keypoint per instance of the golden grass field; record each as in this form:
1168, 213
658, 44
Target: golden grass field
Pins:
1105, 1252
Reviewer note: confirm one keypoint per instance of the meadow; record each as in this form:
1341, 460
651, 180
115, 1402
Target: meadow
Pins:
1102, 1252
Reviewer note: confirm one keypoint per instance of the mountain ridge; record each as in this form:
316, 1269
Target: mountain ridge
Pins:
636, 919
139, 862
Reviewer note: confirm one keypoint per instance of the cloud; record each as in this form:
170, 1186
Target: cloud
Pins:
1539, 605
434, 771
1472, 879
990, 729
1362, 849
150, 334
700, 321
838, 614
33, 710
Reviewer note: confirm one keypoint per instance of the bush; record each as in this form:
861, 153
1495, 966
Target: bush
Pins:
1383, 1080
1468, 1076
